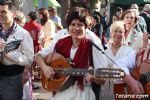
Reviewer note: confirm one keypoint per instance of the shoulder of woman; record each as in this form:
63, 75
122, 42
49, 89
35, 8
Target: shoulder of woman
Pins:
126, 47
50, 21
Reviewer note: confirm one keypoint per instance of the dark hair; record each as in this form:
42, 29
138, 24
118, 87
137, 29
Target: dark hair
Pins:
97, 18
118, 9
76, 14
115, 15
45, 14
32, 15
10, 4
52, 9
1, 27
97, 13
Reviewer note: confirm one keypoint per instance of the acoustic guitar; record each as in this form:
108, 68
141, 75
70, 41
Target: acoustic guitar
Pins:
63, 71
140, 73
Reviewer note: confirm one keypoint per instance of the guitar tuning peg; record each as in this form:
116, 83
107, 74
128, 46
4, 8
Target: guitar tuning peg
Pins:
121, 79
112, 78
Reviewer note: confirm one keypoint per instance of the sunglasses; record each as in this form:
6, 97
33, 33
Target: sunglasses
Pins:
50, 10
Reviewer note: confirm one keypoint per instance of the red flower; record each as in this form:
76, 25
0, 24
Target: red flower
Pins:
134, 32
129, 43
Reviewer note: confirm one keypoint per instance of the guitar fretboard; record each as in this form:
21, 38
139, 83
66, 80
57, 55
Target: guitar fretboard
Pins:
104, 73
72, 71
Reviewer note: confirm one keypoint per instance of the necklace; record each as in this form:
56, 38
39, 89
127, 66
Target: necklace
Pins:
75, 43
75, 46
116, 47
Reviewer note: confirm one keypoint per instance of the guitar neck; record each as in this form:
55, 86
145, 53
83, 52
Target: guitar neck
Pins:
72, 71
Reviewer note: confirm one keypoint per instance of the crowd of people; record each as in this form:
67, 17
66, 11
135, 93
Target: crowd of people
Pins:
122, 43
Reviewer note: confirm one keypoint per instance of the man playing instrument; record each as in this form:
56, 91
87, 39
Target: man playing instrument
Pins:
12, 63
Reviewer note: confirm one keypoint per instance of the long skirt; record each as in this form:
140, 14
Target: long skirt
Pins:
107, 91
75, 93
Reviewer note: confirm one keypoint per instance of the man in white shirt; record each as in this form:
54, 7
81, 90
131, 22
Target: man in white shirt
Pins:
13, 62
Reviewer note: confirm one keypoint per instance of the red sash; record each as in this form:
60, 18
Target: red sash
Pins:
142, 55
82, 58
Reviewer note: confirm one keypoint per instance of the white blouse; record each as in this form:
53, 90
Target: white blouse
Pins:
99, 59
134, 39
127, 63
25, 53
72, 52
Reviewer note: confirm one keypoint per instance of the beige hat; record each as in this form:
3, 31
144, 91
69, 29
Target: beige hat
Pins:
20, 16
147, 7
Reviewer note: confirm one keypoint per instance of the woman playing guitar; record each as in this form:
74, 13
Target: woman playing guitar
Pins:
79, 49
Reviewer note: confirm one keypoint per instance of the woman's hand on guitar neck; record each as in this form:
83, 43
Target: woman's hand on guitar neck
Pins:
48, 72
92, 78
89, 78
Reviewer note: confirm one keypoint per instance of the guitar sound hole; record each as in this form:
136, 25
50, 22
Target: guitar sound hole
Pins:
59, 66
56, 76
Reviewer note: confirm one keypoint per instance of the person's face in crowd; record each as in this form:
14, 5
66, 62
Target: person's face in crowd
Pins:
93, 21
105, 13
118, 13
89, 22
134, 6
114, 19
129, 20
6, 16
18, 21
77, 29
87, 13
148, 12
40, 16
51, 12
117, 35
